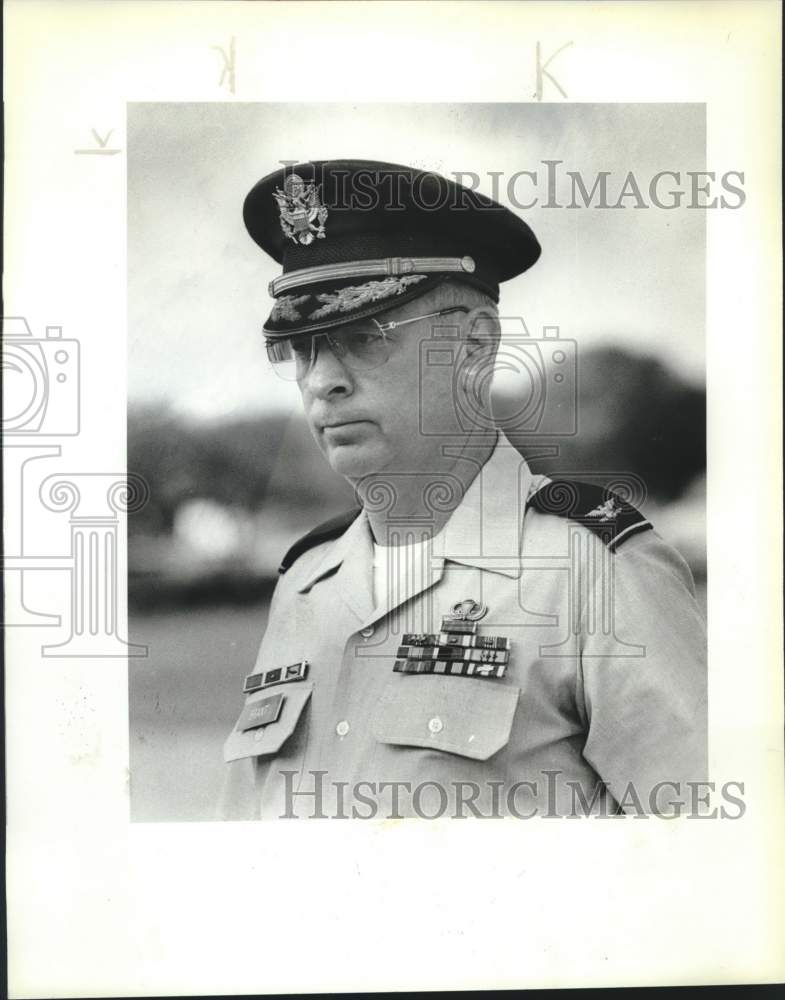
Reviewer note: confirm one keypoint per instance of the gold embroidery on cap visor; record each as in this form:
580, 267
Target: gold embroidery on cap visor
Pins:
292, 308
287, 308
355, 296
360, 346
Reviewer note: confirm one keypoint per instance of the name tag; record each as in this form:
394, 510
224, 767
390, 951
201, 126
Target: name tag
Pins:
260, 713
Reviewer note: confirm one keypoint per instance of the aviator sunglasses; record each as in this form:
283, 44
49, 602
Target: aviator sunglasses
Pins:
359, 346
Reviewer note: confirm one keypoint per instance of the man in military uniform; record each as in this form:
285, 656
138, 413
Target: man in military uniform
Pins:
472, 639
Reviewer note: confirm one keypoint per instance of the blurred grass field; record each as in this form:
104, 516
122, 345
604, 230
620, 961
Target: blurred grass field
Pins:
185, 697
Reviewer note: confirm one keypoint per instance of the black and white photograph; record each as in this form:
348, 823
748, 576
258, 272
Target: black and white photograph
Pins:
425, 533
392, 496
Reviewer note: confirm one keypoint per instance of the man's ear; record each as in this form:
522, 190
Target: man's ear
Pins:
482, 330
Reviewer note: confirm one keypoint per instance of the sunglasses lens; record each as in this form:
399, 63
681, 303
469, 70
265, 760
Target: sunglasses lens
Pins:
361, 347
290, 356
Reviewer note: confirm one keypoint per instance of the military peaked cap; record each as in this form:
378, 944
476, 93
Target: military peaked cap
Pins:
356, 237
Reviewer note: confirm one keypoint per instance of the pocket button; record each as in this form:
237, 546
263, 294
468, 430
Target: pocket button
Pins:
367, 632
342, 728
435, 725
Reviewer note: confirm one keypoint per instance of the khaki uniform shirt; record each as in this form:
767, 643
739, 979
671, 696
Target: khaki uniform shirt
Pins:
603, 698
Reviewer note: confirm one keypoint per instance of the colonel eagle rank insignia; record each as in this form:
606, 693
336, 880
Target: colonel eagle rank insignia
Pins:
603, 512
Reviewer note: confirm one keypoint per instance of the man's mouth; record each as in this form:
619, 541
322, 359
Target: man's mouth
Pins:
335, 424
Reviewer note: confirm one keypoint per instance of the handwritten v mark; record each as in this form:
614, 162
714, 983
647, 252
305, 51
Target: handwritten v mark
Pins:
102, 142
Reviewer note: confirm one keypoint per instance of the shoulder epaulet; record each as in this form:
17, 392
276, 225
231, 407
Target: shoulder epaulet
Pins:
597, 508
333, 528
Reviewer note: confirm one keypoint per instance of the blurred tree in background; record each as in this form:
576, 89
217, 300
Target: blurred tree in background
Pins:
634, 416
161, 450
229, 462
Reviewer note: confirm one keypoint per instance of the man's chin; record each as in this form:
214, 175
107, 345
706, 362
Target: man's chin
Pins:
355, 460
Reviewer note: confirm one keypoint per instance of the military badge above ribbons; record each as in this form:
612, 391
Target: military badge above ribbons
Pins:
457, 649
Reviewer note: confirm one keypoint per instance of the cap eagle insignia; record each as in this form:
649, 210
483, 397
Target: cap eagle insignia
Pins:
302, 214
607, 511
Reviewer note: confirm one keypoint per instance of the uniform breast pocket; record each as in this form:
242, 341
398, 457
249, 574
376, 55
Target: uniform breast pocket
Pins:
460, 715
268, 719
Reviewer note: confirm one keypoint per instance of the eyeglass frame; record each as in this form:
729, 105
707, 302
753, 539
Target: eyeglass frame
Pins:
383, 328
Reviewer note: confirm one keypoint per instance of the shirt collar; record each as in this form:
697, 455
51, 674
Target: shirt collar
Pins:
357, 539
485, 530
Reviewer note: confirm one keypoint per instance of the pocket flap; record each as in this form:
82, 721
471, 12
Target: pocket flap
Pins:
269, 738
462, 715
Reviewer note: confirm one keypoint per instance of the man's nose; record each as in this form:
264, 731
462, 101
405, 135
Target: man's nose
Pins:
327, 376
